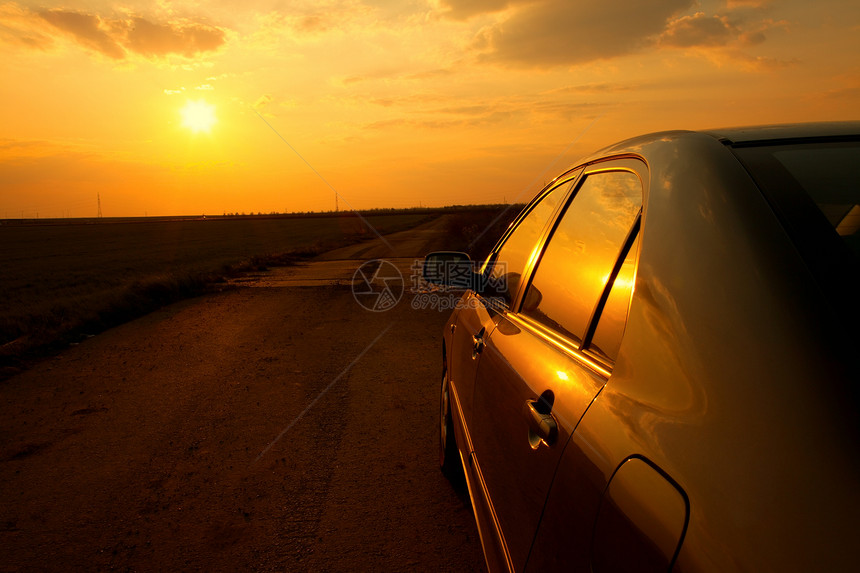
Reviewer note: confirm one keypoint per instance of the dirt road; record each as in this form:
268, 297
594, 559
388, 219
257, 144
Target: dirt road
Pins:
269, 427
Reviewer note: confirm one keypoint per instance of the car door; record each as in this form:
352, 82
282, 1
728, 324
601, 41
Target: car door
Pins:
544, 363
479, 313
477, 318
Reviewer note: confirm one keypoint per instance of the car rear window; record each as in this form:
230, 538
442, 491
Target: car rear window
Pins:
828, 173
813, 187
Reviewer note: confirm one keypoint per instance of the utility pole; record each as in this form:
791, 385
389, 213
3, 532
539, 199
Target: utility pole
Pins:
99, 197
335, 202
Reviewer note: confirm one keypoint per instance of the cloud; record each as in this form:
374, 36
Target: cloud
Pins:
749, 63
755, 33
263, 101
699, 30
18, 28
430, 74
563, 32
314, 21
312, 24
548, 33
24, 148
419, 100
702, 30
722, 40
87, 29
440, 112
440, 124
509, 113
398, 75
463, 9
117, 38
569, 111
592, 88
157, 40
735, 4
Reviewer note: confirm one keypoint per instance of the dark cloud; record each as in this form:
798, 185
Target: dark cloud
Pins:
114, 38
754, 32
559, 32
754, 4
152, 39
699, 30
313, 24
86, 29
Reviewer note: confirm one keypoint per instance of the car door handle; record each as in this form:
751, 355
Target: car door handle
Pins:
477, 343
543, 428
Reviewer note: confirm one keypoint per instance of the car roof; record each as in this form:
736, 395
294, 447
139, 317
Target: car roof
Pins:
762, 133
732, 136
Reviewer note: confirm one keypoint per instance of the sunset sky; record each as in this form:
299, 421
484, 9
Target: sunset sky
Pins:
393, 103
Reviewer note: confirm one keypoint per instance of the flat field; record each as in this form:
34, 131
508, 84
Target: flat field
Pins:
266, 427
62, 280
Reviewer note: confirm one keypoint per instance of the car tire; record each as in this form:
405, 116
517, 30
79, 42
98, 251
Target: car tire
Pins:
449, 456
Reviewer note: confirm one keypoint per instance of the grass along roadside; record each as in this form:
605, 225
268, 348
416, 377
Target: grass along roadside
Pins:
63, 283
70, 321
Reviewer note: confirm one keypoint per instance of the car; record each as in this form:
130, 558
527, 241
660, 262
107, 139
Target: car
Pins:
656, 367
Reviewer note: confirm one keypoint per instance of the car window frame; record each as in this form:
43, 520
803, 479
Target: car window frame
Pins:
579, 349
597, 312
571, 178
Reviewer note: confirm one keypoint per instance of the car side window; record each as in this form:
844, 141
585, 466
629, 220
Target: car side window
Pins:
510, 259
606, 339
582, 252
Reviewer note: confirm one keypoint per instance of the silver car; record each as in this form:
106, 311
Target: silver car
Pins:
656, 367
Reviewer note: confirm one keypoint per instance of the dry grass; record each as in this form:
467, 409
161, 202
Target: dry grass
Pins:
59, 283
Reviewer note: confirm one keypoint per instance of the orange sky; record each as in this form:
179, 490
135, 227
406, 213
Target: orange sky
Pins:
395, 103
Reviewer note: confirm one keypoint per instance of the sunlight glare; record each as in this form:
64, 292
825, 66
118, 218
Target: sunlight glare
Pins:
198, 116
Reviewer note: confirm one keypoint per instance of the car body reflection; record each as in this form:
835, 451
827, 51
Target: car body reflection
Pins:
669, 379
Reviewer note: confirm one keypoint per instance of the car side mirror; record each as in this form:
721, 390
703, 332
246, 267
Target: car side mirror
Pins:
451, 269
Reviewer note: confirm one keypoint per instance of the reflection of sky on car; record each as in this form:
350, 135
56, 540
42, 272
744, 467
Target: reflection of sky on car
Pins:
519, 247
613, 317
579, 258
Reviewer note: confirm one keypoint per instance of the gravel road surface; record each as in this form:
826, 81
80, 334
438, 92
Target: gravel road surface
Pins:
268, 427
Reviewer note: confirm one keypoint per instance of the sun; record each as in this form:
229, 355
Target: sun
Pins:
198, 116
